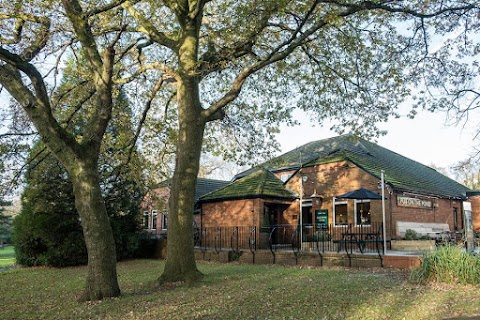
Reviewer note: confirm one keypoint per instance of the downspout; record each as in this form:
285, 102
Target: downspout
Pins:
391, 214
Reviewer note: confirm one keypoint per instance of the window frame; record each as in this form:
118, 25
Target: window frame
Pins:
336, 202
146, 220
164, 220
154, 220
356, 202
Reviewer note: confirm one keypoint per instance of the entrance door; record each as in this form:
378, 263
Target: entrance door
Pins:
271, 221
307, 218
307, 221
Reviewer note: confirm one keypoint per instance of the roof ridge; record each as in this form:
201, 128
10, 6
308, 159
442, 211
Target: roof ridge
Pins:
262, 180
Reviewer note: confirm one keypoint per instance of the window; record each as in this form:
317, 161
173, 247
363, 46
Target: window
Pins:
307, 216
340, 213
154, 219
145, 219
362, 213
455, 219
164, 220
285, 176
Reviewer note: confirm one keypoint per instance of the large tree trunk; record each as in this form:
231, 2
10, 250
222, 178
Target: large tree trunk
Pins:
101, 279
180, 264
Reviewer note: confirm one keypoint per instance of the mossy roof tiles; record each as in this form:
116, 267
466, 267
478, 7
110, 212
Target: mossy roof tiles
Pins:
401, 173
260, 183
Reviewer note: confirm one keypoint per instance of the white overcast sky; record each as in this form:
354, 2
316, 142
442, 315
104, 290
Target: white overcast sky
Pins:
426, 139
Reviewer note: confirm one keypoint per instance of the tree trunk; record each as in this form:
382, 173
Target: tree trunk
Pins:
101, 279
180, 264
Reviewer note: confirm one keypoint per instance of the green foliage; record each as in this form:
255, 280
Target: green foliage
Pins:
48, 230
448, 264
411, 235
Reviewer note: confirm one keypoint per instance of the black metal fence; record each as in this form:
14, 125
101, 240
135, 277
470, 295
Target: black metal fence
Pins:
332, 238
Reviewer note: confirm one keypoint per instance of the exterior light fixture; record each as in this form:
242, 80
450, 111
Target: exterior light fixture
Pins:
316, 198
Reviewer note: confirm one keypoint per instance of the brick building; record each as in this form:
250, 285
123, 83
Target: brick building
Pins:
154, 207
310, 179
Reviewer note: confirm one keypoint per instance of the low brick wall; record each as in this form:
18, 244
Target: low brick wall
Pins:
222, 256
289, 258
310, 259
401, 262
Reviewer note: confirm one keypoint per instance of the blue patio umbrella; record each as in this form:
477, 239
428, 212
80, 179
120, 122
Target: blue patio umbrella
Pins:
365, 194
360, 194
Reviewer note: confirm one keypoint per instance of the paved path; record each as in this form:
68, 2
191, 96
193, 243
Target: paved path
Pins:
7, 268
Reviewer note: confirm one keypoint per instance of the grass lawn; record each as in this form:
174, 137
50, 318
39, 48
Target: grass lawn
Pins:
231, 291
7, 256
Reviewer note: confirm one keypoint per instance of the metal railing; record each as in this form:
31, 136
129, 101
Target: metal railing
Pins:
340, 238
222, 238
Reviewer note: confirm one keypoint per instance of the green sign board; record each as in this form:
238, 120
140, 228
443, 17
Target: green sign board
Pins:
321, 219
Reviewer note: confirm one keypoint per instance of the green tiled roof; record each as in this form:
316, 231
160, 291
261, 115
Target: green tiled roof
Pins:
401, 173
258, 184
202, 187
205, 186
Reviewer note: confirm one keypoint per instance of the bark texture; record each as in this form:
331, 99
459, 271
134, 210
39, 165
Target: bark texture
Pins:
101, 281
180, 264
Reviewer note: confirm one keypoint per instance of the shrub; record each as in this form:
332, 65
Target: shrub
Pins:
448, 264
411, 235
51, 239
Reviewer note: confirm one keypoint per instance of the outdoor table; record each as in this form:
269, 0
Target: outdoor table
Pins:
360, 238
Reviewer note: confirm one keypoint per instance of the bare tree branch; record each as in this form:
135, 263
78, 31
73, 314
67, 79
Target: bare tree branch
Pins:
17, 134
148, 28
168, 72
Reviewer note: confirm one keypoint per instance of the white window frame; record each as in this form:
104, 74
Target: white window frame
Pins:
356, 201
306, 203
335, 202
154, 220
146, 214
164, 220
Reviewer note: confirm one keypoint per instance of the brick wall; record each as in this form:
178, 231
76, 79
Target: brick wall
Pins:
442, 212
247, 212
156, 199
232, 213
330, 180
333, 179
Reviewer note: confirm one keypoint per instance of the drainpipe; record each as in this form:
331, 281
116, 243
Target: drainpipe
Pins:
383, 215
301, 211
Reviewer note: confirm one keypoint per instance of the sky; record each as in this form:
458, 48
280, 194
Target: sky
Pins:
427, 138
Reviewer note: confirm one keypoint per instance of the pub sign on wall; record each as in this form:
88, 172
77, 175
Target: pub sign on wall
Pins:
414, 202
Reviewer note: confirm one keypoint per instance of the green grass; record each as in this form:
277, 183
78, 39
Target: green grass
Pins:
7, 256
232, 291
